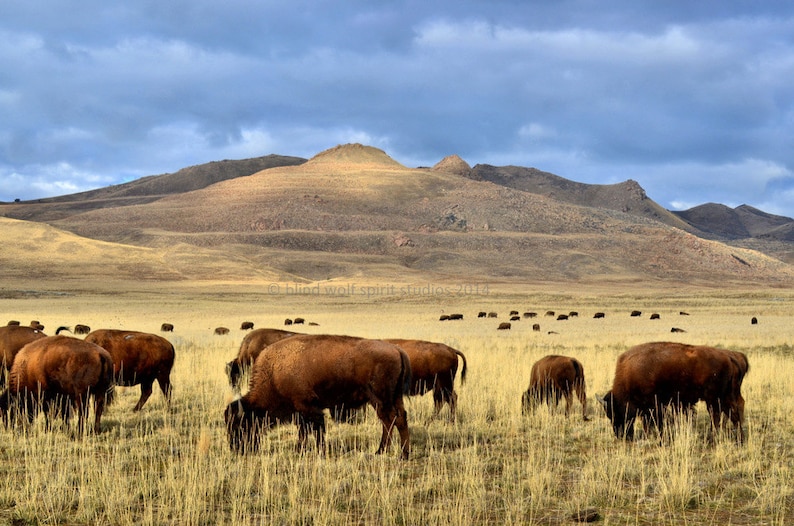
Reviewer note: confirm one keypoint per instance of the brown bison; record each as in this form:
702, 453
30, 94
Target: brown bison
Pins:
553, 377
246, 326
433, 366
138, 358
12, 339
504, 326
59, 373
298, 377
167, 327
221, 331
652, 377
251, 346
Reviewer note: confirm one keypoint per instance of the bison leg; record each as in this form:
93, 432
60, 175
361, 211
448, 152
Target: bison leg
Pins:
146, 392
396, 416
99, 407
164, 381
312, 422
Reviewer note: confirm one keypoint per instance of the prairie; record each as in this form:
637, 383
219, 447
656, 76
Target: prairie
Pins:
172, 465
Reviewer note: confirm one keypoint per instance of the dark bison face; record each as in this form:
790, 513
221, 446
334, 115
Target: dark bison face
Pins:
243, 428
617, 416
233, 372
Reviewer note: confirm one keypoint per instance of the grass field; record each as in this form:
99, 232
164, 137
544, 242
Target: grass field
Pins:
494, 466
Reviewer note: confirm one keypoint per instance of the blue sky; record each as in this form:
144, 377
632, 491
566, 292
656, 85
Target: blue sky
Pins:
691, 99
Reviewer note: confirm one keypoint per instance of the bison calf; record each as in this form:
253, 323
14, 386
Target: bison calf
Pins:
60, 373
298, 377
553, 377
652, 377
138, 358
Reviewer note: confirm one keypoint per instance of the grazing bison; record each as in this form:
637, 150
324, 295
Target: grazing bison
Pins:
482, 314
536, 327
677, 329
60, 373
493, 314
13, 322
138, 358
504, 326
251, 346
515, 318
81, 329
553, 377
635, 313
562, 317
299, 321
288, 321
655, 316
530, 314
433, 366
166, 327
652, 377
599, 315
12, 339
220, 331
443, 317
297, 378
246, 326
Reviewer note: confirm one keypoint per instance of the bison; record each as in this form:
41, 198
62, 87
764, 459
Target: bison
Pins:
12, 339
167, 327
138, 358
60, 373
81, 329
553, 377
433, 366
246, 326
298, 377
504, 326
221, 331
652, 377
251, 346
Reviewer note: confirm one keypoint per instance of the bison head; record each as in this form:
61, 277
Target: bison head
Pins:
234, 372
243, 427
619, 416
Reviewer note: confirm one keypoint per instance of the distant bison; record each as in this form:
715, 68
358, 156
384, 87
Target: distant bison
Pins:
220, 331
246, 325
443, 317
599, 315
652, 377
655, 316
677, 329
298, 321
288, 321
166, 327
635, 313
561, 317
504, 326
456, 316
251, 346
13, 322
553, 377
530, 314
296, 378
138, 358
536, 327
493, 314
81, 329
60, 373
12, 339
36, 325
433, 366
482, 314
515, 318
753, 321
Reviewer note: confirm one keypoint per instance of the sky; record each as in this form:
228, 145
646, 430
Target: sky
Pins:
693, 100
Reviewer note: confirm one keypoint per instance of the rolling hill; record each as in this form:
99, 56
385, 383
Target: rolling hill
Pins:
354, 211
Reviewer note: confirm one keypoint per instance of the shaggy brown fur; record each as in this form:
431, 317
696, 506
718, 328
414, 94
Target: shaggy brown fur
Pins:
553, 377
298, 377
12, 339
654, 376
251, 346
59, 372
434, 366
138, 358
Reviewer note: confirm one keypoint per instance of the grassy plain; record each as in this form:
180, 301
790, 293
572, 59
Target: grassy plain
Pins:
494, 466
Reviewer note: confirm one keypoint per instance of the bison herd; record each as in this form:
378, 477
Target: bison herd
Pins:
295, 377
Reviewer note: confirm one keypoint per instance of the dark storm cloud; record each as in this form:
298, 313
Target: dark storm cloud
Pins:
688, 99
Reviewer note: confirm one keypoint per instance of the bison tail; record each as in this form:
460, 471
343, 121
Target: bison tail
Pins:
462, 371
405, 376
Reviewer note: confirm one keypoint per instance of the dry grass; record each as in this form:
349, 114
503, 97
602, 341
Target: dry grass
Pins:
173, 466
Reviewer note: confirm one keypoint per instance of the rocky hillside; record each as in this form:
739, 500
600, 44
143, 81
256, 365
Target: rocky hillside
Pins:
352, 211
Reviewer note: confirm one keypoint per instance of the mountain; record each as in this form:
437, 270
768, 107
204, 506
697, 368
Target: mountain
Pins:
354, 211
148, 189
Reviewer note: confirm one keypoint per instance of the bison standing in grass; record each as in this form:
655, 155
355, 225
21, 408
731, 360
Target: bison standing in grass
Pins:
652, 377
251, 346
12, 339
138, 358
296, 378
553, 377
59, 373
434, 366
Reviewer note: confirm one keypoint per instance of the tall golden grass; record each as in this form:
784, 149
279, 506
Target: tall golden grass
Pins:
172, 465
